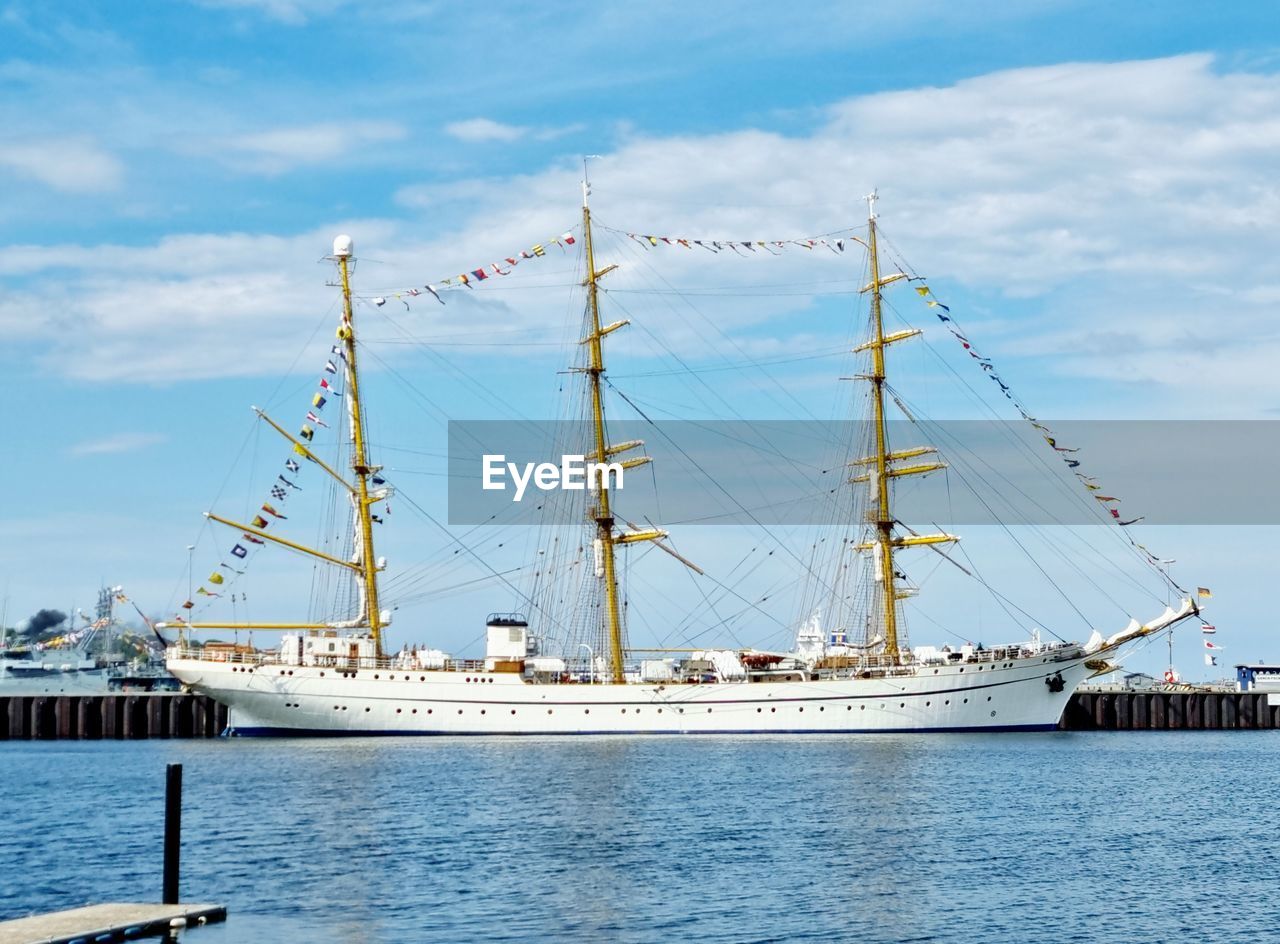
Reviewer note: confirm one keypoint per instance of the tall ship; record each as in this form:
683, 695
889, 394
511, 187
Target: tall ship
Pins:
337, 677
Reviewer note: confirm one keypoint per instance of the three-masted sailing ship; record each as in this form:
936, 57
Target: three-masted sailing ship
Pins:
337, 678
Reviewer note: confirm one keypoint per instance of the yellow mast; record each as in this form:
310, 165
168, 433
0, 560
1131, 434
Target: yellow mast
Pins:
601, 513
884, 519
882, 461
365, 564
359, 462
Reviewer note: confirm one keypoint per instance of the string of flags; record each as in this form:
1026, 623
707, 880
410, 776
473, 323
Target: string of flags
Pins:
281, 489
740, 246
469, 278
1066, 453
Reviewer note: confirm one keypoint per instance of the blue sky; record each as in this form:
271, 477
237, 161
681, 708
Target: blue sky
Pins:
1092, 185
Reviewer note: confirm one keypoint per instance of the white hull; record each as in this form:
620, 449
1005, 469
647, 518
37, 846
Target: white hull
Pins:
277, 699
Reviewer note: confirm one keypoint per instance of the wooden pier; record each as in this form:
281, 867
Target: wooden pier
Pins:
1173, 710
143, 715
117, 922
129, 716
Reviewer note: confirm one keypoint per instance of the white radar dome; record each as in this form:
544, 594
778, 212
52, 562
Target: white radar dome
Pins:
342, 245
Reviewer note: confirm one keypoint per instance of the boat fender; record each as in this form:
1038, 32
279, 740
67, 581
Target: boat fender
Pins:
1056, 683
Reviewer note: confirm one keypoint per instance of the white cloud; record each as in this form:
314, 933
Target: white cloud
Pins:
282, 149
484, 129
291, 12
66, 164
119, 442
1125, 209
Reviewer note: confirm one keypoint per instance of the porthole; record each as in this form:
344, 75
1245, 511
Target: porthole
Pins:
902, 704
368, 709
421, 678
482, 711
708, 711
802, 707
586, 711
548, 711
966, 701
399, 710
376, 675
758, 710
322, 675
415, 711
861, 707
513, 711
459, 711
947, 702
772, 710
624, 711
822, 707
926, 704
429, 710
988, 698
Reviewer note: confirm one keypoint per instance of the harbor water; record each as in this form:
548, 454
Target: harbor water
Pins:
999, 838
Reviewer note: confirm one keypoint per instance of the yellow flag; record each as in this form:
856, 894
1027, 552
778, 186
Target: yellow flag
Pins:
215, 577
922, 289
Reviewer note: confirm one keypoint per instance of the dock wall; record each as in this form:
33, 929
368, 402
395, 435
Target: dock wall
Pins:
129, 716
1169, 711
136, 716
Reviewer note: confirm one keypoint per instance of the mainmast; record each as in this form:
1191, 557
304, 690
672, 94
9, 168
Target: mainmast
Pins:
361, 498
601, 512
883, 461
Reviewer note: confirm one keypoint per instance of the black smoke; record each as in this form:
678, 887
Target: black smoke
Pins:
40, 623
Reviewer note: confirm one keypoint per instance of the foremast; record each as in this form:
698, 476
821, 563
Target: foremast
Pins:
601, 511
883, 463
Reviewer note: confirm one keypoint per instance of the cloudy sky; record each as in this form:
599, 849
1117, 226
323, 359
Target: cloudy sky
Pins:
1091, 186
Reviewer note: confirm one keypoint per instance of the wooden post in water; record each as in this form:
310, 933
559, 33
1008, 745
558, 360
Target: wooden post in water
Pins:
172, 831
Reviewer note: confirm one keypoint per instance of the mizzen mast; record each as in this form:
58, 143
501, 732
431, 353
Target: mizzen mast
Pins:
362, 499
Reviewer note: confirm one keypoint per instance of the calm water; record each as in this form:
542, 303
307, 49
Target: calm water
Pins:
999, 838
